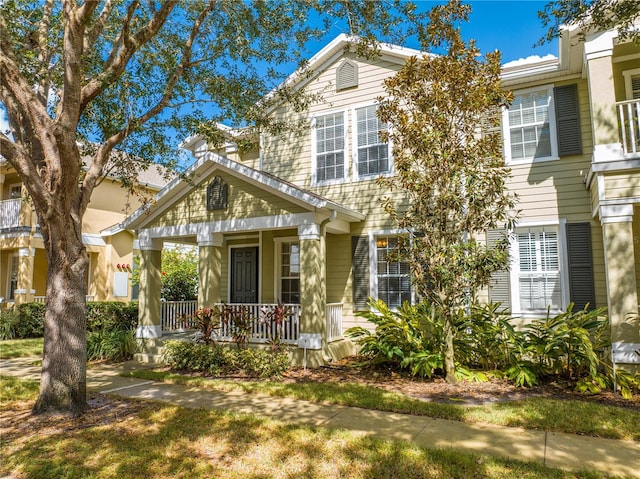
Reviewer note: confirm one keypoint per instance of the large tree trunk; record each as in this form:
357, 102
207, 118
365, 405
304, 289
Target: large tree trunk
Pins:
63, 381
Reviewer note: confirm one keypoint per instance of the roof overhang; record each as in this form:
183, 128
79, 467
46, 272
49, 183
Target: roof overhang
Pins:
209, 163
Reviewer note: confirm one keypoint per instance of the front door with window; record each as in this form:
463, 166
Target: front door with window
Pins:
244, 275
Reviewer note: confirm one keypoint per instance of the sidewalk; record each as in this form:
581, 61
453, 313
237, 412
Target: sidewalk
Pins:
565, 451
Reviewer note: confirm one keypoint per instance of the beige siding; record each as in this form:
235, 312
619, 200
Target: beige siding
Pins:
622, 185
245, 201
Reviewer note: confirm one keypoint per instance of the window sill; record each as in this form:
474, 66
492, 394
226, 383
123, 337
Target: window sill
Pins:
528, 161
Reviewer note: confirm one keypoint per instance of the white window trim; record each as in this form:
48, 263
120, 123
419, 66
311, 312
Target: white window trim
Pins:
277, 263
373, 261
17, 186
314, 148
627, 74
354, 143
10, 258
506, 129
514, 268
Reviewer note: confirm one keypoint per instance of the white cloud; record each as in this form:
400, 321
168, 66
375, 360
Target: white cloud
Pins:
529, 60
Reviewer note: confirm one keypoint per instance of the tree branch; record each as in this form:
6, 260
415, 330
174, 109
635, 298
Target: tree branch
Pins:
92, 35
117, 62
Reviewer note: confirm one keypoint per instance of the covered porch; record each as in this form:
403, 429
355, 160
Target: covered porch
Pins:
265, 243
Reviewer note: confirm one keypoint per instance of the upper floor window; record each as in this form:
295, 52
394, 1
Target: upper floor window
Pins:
632, 83
372, 154
529, 126
329, 142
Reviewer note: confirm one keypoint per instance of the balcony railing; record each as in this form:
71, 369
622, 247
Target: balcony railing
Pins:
629, 120
10, 213
43, 299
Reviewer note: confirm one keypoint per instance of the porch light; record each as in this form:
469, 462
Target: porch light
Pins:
381, 242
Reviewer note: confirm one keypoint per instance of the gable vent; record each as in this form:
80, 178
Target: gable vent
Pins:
347, 75
217, 194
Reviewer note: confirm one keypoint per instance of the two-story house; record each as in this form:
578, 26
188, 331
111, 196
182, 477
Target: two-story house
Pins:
300, 220
23, 260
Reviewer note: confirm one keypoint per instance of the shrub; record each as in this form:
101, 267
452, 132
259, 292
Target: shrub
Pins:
30, 322
111, 345
8, 323
111, 315
217, 360
409, 338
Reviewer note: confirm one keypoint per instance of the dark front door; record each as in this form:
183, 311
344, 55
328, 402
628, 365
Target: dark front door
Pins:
244, 275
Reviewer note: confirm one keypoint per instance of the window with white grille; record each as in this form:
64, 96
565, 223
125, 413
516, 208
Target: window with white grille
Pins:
538, 269
372, 153
392, 274
329, 141
529, 126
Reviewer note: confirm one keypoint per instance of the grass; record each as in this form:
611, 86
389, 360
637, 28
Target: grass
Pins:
18, 348
159, 441
570, 416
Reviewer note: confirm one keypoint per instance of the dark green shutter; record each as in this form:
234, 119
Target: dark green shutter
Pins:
500, 285
581, 284
567, 120
360, 264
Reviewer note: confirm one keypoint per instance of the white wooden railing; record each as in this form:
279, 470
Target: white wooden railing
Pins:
262, 330
43, 299
629, 120
334, 321
10, 213
177, 315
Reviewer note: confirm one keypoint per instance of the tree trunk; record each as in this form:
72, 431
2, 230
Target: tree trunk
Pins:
449, 352
63, 383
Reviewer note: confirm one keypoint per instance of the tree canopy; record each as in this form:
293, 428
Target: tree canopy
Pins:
621, 15
444, 115
80, 80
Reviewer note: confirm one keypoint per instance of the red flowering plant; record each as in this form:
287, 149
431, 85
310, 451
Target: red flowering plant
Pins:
274, 317
207, 322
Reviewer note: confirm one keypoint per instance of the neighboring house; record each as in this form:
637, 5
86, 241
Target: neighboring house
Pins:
23, 260
301, 220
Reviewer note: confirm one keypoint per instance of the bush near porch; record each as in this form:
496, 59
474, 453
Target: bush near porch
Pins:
110, 327
572, 345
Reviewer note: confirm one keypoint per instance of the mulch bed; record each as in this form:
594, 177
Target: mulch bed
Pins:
438, 390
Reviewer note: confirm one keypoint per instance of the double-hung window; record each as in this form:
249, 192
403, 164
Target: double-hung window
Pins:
290, 272
372, 154
329, 142
538, 269
393, 282
529, 126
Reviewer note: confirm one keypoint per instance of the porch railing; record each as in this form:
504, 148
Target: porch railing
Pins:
43, 299
10, 213
334, 321
629, 120
177, 315
261, 329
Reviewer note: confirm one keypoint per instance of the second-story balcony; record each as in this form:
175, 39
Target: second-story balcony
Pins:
10, 213
629, 121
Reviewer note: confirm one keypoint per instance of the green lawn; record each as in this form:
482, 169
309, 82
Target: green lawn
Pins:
18, 348
570, 416
160, 441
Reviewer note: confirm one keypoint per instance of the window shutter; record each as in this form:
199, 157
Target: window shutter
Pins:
635, 87
500, 285
346, 75
360, 265
581, 284
567, 120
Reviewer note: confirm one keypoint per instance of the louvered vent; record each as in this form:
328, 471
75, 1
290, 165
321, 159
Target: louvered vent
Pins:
347, 75
217, 194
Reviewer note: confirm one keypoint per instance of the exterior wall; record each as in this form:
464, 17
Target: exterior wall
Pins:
245, 201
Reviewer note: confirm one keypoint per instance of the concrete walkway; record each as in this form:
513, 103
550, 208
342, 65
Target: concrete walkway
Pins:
566, 451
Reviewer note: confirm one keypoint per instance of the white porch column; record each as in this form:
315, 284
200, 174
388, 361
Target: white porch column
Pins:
598, 51
622, 292
24, 287
209, 269
149, 320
